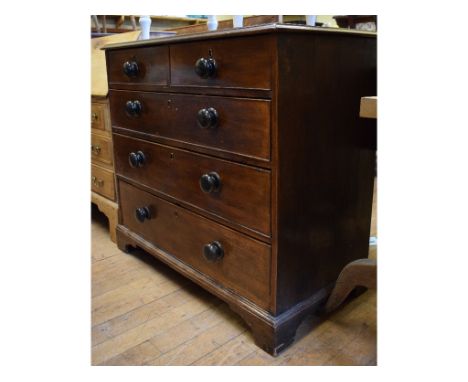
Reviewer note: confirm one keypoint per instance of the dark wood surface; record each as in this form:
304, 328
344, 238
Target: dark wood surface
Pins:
243, 124
153, 65
316, 200
325, 177
144, 313
243, 197
271, 333
272, 28
240, 64
202, 149
195, 90
245, 266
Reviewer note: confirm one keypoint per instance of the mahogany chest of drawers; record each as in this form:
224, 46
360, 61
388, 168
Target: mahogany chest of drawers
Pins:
241, 163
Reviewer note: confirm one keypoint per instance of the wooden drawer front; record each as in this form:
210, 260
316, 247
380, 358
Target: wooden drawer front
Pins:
244, 195
98, 116
242, 126
102, 181
245, 266
152, 62
101, 149
240, 62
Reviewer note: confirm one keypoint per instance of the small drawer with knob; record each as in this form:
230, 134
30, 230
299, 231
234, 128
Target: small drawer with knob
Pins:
227, 63
235, 193
102, 181
234, 260
98, 116
238, 126
101, 149
138, 67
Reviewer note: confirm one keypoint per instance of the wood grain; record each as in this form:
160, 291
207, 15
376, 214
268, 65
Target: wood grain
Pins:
98, 118
102, 181
272, 28
324, 205
245, 266
243, 127
99, 85
244, 197
240, 64
313, 202
153, 65
102, 158
101, 150
347, 337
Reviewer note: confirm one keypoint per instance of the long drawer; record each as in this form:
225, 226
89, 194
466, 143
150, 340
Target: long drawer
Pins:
230, 258
236, 125
102, 181
232, 191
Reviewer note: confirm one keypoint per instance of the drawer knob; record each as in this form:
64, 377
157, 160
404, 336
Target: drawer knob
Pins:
97, 182
130, 68
207, 118
94, 116
133, 108
213, 251
95, 149
136, 159
206, 67
142, 213
210, 182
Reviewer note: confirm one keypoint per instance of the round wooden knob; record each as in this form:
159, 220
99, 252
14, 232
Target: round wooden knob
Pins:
207, 118
130, 68
206, 67
213, 251
142, 213
133, 108
136, 159
210, 182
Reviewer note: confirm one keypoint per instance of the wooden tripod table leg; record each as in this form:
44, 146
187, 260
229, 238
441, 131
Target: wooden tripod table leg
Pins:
362, 272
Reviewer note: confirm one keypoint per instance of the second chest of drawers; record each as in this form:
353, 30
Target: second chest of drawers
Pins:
103, 187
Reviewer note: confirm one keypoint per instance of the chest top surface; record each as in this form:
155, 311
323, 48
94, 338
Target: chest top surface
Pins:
246, 31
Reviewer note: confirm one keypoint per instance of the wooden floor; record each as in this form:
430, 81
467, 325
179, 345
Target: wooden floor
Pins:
144, 313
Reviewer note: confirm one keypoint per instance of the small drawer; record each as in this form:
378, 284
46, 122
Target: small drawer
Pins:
102, 181
234, 192
236, 125
141, 66
232, 259
98, 116
228, 63
101, 149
